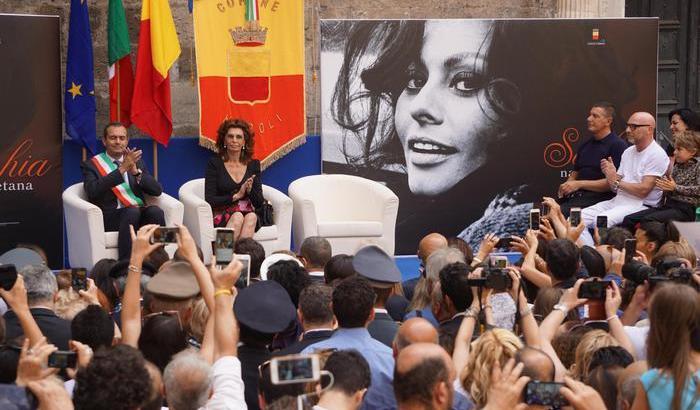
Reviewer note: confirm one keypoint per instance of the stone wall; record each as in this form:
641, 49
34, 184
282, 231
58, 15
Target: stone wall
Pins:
184, 91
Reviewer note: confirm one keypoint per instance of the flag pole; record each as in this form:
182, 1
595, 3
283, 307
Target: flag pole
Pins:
119, 94
84, 154
155, 160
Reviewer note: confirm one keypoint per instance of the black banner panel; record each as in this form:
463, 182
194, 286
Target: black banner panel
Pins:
31, 210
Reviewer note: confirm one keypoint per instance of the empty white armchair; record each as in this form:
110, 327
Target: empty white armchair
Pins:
348, 211
200, 221
87, 240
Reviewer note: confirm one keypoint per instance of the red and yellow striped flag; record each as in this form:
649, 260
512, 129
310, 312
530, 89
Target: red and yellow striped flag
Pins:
157, 52
250, 65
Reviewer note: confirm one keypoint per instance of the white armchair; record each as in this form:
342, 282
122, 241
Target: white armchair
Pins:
348, 211
87, 240
200, 221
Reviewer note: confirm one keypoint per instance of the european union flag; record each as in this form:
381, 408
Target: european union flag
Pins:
80, 80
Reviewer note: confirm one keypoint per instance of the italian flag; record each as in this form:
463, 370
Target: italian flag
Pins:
121, 75
157, 52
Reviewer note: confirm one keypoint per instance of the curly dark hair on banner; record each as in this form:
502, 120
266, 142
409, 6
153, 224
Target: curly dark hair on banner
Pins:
248, 133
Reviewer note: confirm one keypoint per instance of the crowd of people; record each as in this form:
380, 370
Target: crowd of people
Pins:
580, 320
152, 331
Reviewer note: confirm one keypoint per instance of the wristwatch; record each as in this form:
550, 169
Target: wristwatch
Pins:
562, 307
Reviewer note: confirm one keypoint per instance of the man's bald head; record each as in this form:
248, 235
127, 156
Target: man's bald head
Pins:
429, 244
537, 364
424, 375
415, 330
640, 129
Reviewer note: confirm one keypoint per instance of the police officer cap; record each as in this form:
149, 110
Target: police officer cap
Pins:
264, 307
372, 263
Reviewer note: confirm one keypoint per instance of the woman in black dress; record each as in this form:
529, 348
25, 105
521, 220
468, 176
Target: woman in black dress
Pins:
232, 181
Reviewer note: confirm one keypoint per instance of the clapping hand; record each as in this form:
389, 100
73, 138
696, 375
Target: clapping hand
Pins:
666, 184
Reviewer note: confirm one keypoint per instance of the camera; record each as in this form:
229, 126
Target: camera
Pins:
545, 394
637, 272
497, 279
593, 289
62, 359
295, 369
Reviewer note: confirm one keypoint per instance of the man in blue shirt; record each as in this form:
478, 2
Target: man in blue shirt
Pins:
353, 306
586, 185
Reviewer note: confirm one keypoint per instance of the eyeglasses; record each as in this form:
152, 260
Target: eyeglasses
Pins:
163, 313
635, 126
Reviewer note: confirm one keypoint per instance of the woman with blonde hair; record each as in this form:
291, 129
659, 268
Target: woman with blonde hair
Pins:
589, 344
493, 348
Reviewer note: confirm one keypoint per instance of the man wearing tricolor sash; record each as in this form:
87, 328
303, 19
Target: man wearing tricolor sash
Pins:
116, 181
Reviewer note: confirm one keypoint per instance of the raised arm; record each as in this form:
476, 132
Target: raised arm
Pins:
613, 299
527, 320
225, 326
188, 249
131, 301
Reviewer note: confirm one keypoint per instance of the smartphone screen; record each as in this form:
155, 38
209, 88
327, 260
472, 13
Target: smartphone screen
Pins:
535, 219
630, 249
62, 359
593, 289
165, 235
545, 394
223, 246
601, 221
8, 276
244, 280
575, 216
504, 242
294, 369
78, 279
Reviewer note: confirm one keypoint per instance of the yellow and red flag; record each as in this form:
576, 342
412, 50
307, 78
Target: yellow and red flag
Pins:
157, 52
250, 65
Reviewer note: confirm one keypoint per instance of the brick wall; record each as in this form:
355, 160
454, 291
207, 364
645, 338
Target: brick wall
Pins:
184, 92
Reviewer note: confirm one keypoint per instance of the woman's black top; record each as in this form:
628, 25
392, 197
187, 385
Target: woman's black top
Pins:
219, 187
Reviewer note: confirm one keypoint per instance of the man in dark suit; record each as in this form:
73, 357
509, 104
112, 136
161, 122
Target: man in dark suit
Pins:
41, 287
316, 317
116, 181
373, 264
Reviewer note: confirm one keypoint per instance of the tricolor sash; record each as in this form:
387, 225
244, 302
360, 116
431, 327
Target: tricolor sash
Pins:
123, 192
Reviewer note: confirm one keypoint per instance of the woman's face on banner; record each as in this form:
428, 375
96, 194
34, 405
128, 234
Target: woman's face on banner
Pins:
438, 117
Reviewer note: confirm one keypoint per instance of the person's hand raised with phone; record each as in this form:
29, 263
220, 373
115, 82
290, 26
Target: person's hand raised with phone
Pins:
226, 278
186, 245
581, 396
570, 297
90, 295
141, 245
33, 362
16, 297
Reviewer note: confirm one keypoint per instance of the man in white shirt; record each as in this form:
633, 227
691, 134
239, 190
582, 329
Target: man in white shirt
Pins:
634, 183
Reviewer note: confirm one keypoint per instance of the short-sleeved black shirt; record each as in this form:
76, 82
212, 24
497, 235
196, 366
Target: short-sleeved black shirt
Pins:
590, 153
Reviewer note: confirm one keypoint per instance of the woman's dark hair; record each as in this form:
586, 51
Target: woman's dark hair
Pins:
93, 327
248, 134
688, 116
338, 267
674, 314
593, 261
162, 337
104, 282
291, 276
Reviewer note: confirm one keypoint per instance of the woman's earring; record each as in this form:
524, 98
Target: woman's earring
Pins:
224, 145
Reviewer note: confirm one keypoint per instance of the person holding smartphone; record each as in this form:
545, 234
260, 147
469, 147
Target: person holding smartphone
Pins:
232, 180
117, 181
